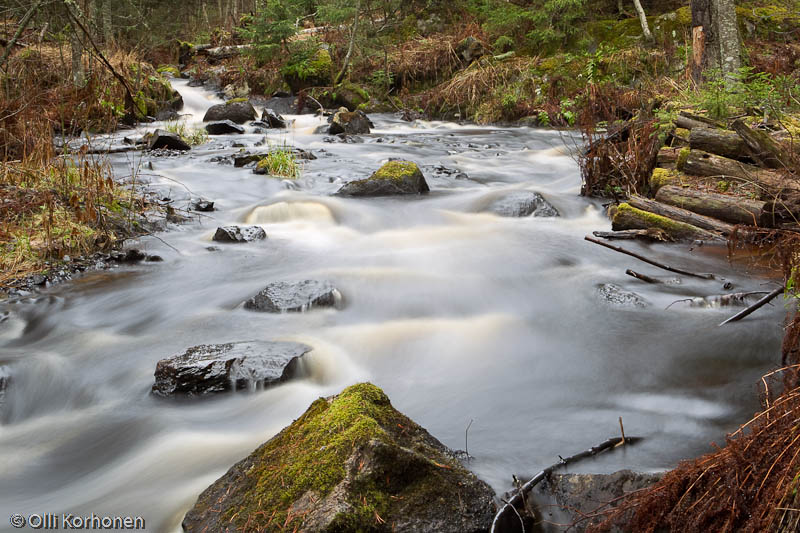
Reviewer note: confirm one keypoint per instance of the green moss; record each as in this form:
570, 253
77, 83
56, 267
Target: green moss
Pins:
237, 101
661, 177
683, 155
396, 170
629, 217
169, 69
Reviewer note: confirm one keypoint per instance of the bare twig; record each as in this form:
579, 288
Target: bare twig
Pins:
649, 261
761, 303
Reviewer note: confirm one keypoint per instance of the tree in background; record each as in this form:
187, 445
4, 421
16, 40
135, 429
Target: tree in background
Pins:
715, 38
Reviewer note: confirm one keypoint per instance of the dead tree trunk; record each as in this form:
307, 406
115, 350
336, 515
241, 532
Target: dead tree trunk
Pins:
643, 20
703, 39
680, 215
353, 31
764, 149
721, 142
715, 38
700, 163
728, 208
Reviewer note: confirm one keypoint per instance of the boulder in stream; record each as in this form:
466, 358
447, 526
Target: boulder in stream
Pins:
272, 119
294, 297
166, 139
616, 295
5, 379
223, 127
523, 204
350, 122
215, 368
239, 234
236, 111
350, 463
393, 178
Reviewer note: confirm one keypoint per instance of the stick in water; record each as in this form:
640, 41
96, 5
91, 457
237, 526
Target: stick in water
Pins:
649, 261
646, 279
761, 303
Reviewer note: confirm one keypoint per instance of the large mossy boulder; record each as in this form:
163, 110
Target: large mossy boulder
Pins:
349, 463
238, 111
393, 178
349, 95
313, 70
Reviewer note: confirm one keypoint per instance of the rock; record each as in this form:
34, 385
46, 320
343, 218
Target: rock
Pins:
470, 49
346, 461
393, 178
134, 141
214, 368
204, 206
273, 119
299, 296
566, 498
166, 139
313, 70
223, 127
523, 204
239, 234
235, 111
282, 105
350, 96
245, 158
350, 122
5, 380
167, 114
616, 295
154, 259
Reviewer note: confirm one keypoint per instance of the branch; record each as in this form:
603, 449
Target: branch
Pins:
649, 261
761, 303
22, 25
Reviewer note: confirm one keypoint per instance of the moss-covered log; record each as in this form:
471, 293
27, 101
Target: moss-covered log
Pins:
763, 149
723, 207
721, 142
699, 163
625, 216
681, 215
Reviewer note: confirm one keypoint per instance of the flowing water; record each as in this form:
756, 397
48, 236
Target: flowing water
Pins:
460, 316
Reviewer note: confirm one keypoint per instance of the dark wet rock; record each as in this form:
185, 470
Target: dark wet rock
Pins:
38, 279
523, 204
246, 158
238, 112
154, 259
239, 234
134, 141
296, 296
273, 119
223, 127
350, 122
167, 114
215, 368
131, 255
204, 206
5, 380
376, 458
410, 115
161, 139
470, 49
282, 105
616, 295
343, 138
568, 498
393, 178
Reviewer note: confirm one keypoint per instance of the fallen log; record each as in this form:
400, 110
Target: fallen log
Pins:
759, 304
625, 217
508, 518
681, 215
707, 122
651, 234
649, 261
763, 149
785, 209
720, 206
667, 157
700, 163
721, 142
223, 52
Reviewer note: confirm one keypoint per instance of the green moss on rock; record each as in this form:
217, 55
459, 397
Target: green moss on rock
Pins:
661, 177
346, 460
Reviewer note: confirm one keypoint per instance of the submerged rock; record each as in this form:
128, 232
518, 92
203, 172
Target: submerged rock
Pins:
393, 178
523, 204
247, 158
203, 206
349, 463
616, 295
272, 119
239, 234
238, 112
298, 296
5, 379
570, 498
350, 122
223, 127
166, 139
214, 368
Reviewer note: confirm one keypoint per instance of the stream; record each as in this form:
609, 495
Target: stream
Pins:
459, 315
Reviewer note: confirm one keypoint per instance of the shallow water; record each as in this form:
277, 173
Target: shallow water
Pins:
457, 314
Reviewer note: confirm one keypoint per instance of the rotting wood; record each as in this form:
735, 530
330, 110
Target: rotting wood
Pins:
649, 261
508, 518
755, 307
765, 150
721, 142
681, 215
652, 234
720, 206
626, 217
701, 163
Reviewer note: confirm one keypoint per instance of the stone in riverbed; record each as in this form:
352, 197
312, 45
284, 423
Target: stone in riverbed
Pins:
167, 139
239, 234
273, 119
350, 122
223, 127
616, 295
347, 461
215, 368
238, 112
294, 297
523, 204
393, 178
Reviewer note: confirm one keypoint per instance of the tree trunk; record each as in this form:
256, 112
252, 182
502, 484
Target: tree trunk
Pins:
715, 38
727, 208
703, 39
78, 77
721, 142
681, 215
22, 25
730, 52
643, 20
346, 64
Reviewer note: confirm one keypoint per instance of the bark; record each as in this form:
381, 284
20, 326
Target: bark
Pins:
727, 28
721, 142
701, 163
765, 151
681, 215
76, 48
353, 31
626, 216
784, 210
688, 121
727, 208
643, 20
704, 40
667, 157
